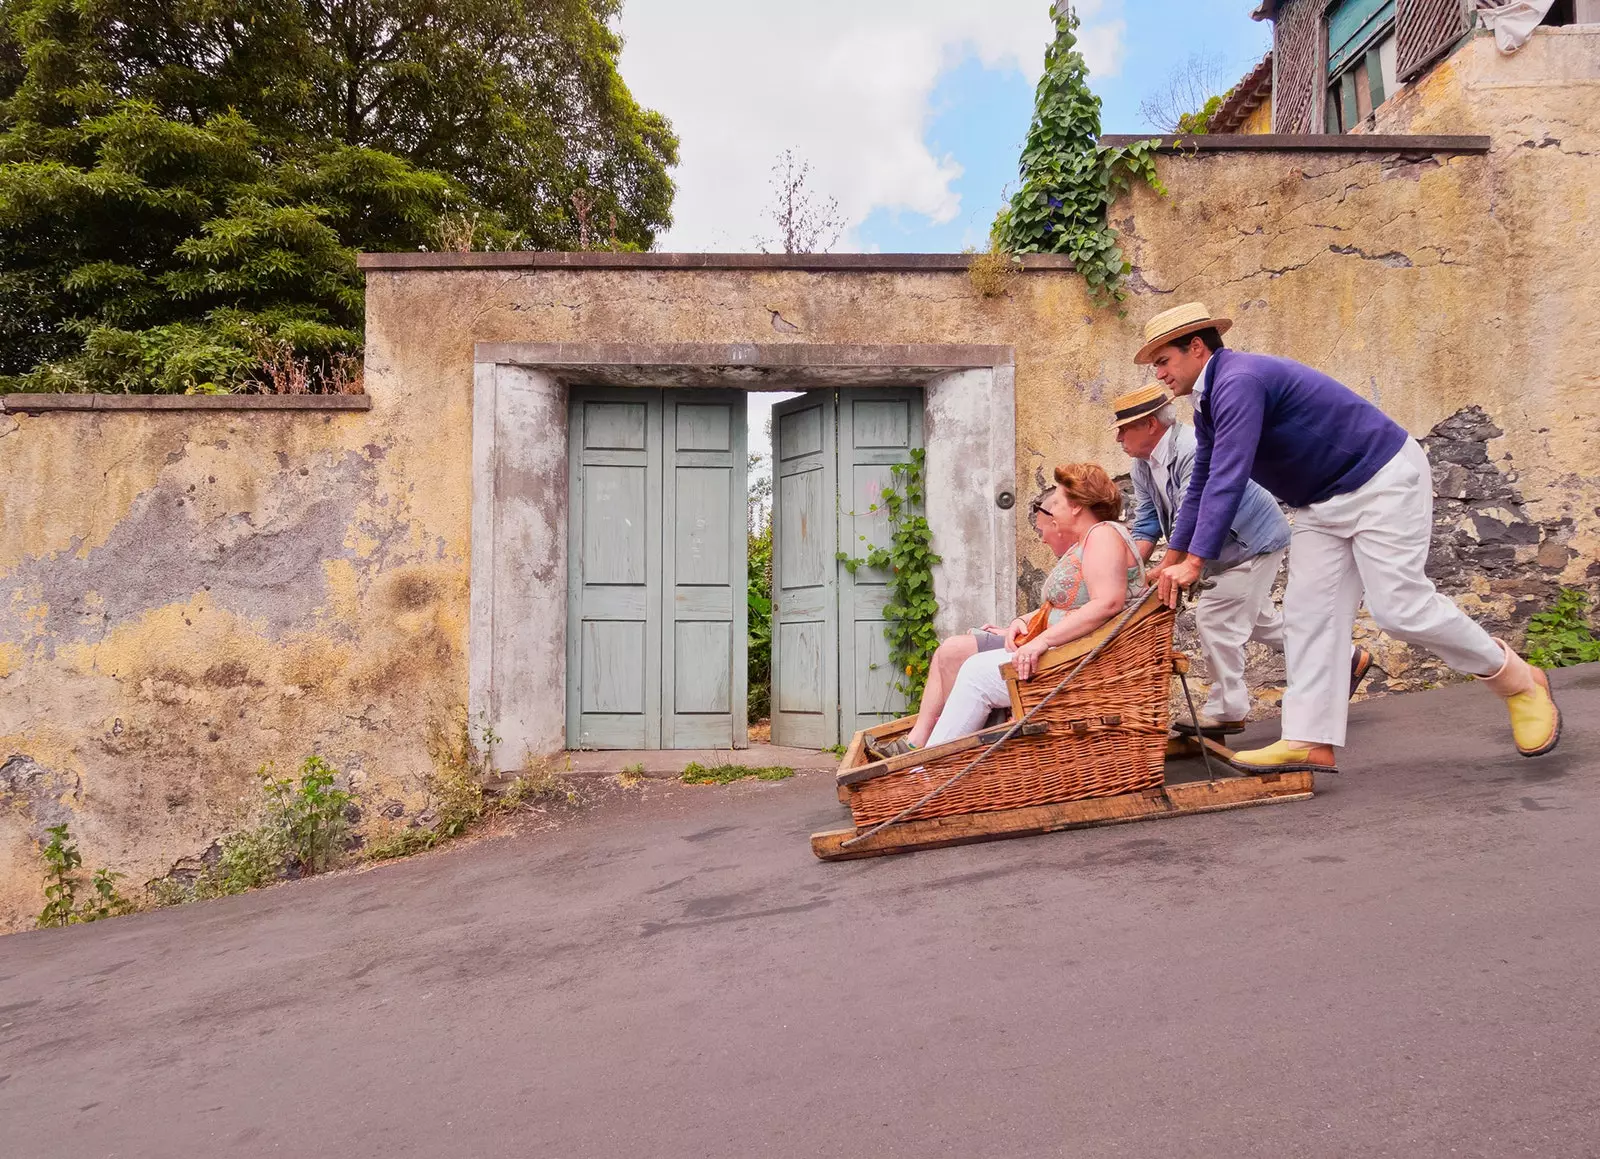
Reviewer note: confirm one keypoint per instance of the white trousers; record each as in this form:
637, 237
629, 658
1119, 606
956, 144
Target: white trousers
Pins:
1237, 610
978, 689
1376, 538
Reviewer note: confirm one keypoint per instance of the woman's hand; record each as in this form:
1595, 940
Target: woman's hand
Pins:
1014, 631
1027, 657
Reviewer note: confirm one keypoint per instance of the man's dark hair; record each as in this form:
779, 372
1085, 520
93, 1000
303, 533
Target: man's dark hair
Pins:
1209, 336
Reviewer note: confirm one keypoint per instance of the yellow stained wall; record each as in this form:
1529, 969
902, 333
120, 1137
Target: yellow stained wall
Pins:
1260, 118
184, 597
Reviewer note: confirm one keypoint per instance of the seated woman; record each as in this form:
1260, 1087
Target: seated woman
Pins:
1097, 572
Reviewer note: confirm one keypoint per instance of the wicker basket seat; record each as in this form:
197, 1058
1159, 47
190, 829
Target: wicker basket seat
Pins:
1103, 735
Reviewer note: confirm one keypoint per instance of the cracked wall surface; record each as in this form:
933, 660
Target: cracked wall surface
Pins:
184, 597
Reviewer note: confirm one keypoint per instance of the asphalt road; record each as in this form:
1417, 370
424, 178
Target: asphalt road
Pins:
1404, 966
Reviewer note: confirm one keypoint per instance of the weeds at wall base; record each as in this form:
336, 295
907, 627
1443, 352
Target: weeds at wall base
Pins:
304, 822
62, 886
698, 774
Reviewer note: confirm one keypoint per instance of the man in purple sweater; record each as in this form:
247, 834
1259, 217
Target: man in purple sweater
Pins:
1360, 491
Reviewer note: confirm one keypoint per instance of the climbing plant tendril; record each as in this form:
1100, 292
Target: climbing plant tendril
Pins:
909, 559
1069, 179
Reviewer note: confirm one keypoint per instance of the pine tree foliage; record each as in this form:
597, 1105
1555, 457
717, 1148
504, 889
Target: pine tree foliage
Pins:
184, 184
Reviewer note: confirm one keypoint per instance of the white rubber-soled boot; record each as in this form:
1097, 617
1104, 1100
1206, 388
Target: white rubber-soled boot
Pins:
1535, 719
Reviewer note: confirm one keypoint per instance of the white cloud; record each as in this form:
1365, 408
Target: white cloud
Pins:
845, 83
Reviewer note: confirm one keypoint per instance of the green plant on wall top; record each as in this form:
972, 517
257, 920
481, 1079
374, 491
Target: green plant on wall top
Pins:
1069, 179
909, 559
1198, 123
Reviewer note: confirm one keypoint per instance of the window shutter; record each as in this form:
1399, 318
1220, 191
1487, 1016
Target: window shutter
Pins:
1424, 29
1352, 26
1297, 84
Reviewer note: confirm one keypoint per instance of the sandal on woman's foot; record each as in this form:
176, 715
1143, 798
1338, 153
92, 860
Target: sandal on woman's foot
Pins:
1209, 726
882, 750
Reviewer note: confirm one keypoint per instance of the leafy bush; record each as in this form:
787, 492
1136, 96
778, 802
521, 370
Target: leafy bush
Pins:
302, 828
759, 598
62, 884
309, 815
908, 560
1561, 635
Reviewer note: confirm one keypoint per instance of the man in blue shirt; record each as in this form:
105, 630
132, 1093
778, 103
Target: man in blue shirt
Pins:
1238, 607
1361, 493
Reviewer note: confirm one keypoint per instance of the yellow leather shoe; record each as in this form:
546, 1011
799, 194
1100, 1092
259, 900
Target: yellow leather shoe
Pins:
1281, 757
1535, 719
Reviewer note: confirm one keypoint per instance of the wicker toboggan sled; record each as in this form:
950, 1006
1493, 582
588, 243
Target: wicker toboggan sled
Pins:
1090, 751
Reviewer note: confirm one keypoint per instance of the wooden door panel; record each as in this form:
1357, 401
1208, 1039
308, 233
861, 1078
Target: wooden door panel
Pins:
701, 527
804, 501
800, 647
617, 426
703, 687
874, 677
615, 528
705, 611
805, 573
877, 428
613, 669
614, 580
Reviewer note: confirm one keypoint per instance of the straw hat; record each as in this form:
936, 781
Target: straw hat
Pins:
1140, 403
1189, 318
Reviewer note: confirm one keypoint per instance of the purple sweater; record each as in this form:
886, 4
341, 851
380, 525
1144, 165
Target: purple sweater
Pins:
1294, 430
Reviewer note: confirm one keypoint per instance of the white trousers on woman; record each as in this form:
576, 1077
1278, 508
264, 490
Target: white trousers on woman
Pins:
978, 689
1238, 609
1376, 538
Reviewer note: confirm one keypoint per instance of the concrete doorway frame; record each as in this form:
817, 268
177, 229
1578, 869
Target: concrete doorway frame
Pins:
517, 653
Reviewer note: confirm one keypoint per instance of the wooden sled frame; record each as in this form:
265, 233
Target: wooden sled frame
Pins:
1226, 788
1179, 800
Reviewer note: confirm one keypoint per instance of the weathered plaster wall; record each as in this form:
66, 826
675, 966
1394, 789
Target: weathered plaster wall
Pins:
184, 597
187, 596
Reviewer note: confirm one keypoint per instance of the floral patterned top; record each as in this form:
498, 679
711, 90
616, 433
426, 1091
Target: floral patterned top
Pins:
1064, 588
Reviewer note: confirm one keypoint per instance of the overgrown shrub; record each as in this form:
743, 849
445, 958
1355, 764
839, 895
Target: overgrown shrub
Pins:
302, 831
759, 597
62, 885
1561, 635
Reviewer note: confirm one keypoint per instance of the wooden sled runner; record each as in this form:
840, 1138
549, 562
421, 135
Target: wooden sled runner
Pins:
1093, 752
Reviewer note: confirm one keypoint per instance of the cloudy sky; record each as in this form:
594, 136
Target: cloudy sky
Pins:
911, 113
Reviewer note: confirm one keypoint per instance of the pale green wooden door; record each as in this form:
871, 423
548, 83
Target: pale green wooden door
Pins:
877, 428
805, 571
832, 454
614, 560
656, 555
704, 641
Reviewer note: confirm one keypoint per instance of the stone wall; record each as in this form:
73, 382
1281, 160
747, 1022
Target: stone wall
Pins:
190, 594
